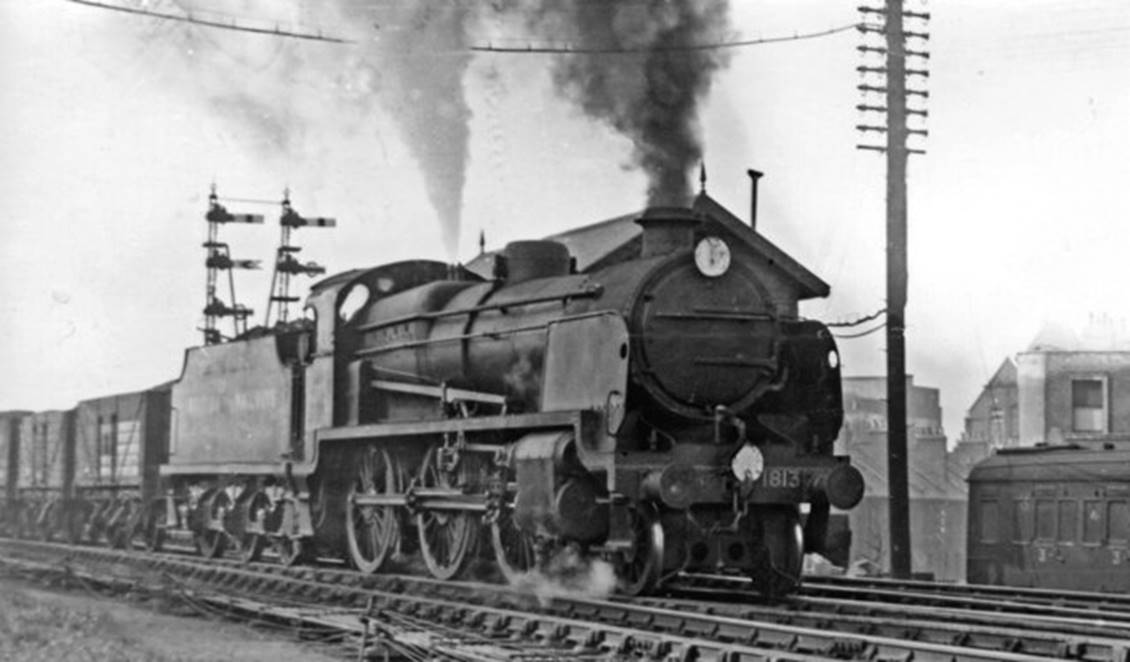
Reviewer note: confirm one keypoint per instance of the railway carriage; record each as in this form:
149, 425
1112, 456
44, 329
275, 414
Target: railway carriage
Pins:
1052, 517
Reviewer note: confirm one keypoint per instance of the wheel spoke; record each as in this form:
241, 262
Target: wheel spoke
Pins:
373, 532
447, 539
640, 573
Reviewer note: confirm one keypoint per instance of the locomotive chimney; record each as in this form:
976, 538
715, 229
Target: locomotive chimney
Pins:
667, 230
754, 175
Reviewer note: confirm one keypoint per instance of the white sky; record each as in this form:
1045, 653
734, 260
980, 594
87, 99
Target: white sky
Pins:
112, 131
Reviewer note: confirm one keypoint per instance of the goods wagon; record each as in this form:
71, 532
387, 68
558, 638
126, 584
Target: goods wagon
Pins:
45, 471
120, 441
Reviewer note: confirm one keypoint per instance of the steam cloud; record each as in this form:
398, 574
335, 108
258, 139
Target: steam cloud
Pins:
418, 59
652, 95
569, 574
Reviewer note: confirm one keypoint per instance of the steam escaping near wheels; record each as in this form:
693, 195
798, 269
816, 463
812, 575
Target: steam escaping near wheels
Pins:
568, 573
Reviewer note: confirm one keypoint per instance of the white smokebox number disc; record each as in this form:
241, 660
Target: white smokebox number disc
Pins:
712, 257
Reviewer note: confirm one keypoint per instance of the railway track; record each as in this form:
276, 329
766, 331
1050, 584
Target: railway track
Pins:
1089, 613
1059, 597
393, 613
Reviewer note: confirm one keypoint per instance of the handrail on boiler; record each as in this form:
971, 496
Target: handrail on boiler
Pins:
590, 291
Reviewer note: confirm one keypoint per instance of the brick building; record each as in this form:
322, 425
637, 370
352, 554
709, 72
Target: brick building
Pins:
994, 418
1064, 388
937, 493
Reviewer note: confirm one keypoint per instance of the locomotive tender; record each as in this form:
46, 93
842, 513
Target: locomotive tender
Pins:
664, 408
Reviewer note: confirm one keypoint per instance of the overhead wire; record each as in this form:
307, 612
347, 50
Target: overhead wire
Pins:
858, 321
188, 18
624, 50
528, 49
849, 336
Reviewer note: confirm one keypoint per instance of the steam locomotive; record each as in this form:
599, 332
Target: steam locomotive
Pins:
662, 407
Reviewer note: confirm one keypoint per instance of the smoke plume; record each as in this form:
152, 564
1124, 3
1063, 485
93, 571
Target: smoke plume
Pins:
652, 94
409, 60
636, 66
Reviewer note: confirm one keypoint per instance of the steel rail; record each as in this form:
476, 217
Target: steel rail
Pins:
1027, 609
1061, 597
894, 592
556, 637
952, 626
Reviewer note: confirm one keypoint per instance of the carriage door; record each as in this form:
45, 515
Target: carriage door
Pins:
1045, 551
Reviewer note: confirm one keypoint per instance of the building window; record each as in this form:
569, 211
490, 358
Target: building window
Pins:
1088, 405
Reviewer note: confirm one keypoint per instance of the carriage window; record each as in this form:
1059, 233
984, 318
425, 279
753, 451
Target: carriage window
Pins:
1022, 520
1088, 405
1068, 520
353, 302
990, 521
1118, 519
1045, 519
1092, 522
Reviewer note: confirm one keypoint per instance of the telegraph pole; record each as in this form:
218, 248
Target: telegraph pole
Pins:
896, 92
899, 498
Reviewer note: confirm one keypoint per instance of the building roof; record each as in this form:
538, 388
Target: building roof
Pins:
1005, 374
1053, 336
601, 244
1101, 334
